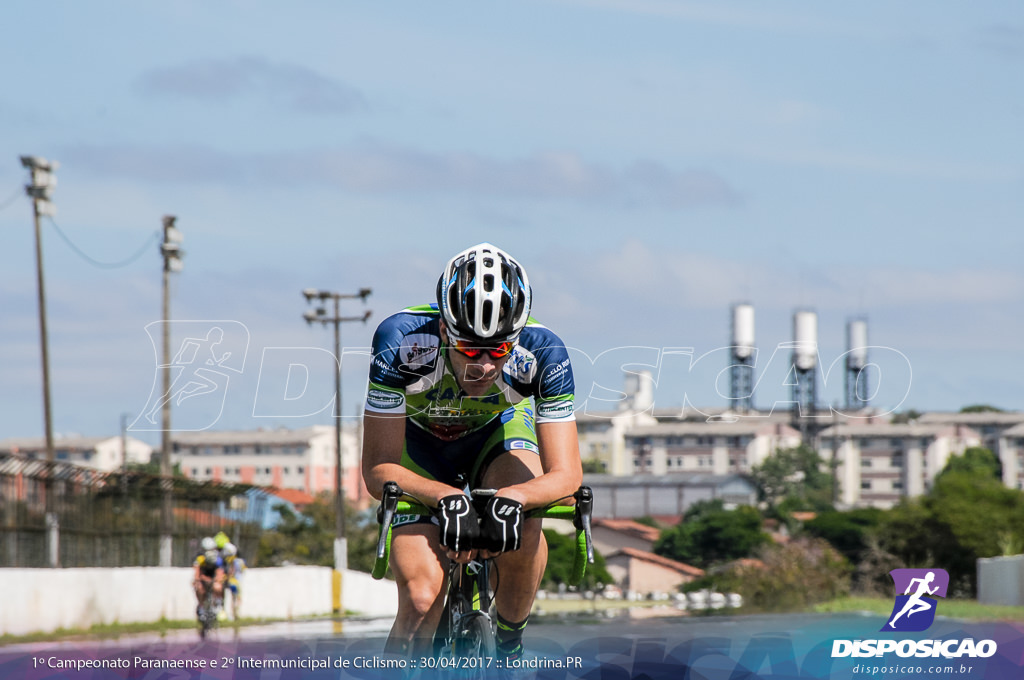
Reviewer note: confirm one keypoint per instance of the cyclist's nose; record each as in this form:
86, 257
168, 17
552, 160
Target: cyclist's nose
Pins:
483, 367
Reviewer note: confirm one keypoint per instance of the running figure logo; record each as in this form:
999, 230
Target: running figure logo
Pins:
914, 610
200, 373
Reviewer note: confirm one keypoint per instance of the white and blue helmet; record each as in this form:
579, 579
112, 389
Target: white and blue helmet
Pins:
484, 295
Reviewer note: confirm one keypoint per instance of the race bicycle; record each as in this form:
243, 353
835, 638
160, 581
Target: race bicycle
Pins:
208, 611
465, 636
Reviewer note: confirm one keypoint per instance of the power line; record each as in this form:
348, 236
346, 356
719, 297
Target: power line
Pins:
10, 201
105, 265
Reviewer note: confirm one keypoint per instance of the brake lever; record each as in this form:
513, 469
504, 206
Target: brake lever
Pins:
584, 508
385, 513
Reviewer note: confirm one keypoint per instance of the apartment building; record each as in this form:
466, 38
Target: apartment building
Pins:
105, 454
1001, 432
716, 447
879, 463
301, 459
1011, 454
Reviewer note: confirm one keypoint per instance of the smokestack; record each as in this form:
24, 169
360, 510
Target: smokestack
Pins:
741, 365
857, 387
805, 338
804, 375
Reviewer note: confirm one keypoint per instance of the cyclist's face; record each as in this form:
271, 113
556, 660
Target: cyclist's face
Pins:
475, 375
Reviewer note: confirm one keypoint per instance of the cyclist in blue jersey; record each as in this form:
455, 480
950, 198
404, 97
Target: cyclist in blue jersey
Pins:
470, 391
208, 572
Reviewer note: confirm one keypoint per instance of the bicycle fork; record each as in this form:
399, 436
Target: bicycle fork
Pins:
469, 597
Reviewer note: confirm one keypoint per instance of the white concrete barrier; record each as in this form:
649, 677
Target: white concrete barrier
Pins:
45, 600
364, 596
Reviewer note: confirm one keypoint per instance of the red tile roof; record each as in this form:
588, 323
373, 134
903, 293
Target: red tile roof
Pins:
628, 526
681, 567
296, 497
201, 517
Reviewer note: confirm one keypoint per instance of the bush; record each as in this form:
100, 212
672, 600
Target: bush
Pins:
790, 577
847, 531
711, 535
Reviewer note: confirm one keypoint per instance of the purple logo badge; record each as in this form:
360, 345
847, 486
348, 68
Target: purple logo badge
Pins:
916, 590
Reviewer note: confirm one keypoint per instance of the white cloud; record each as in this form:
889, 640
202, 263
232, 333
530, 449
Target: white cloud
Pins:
298, 88
372, 168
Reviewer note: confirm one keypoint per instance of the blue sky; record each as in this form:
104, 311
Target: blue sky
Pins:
649, 162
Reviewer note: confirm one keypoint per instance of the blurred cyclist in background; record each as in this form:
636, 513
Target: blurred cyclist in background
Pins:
234, 566
208, 573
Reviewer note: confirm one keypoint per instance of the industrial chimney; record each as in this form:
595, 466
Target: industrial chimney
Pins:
857, 387
741, 366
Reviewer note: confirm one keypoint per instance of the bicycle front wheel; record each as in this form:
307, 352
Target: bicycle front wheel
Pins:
475, 637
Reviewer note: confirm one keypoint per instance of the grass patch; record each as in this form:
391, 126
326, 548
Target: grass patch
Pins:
109, 631
955, 609
558, 606
99, 631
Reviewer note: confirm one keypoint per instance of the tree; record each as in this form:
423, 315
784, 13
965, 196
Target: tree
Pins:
561, 556
846, 531
712, 535
796, 476
980, 408
976, 460
967, 514
307, 537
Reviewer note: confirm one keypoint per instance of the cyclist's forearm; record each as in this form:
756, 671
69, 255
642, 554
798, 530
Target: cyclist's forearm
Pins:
563, 472
544, 490
425, 490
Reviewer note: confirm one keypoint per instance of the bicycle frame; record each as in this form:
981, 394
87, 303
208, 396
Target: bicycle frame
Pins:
468, 595
207, 611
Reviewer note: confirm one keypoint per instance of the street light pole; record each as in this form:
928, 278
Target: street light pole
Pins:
41, 190
170, 250
319, 314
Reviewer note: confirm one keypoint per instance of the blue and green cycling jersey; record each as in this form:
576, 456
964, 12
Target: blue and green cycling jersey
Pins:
410, 372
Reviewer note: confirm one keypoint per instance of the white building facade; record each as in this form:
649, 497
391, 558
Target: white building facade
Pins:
106, 454
878, 464
286, 459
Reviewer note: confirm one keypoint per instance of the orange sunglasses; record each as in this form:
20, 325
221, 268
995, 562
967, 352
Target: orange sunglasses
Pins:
471, 351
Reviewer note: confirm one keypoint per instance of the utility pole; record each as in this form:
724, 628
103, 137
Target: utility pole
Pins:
40, 189
319, 314
170, 249
124, 453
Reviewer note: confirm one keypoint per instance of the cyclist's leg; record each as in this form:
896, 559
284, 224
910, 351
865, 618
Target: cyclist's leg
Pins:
511, 456
521, 571
200, 585
418, 564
